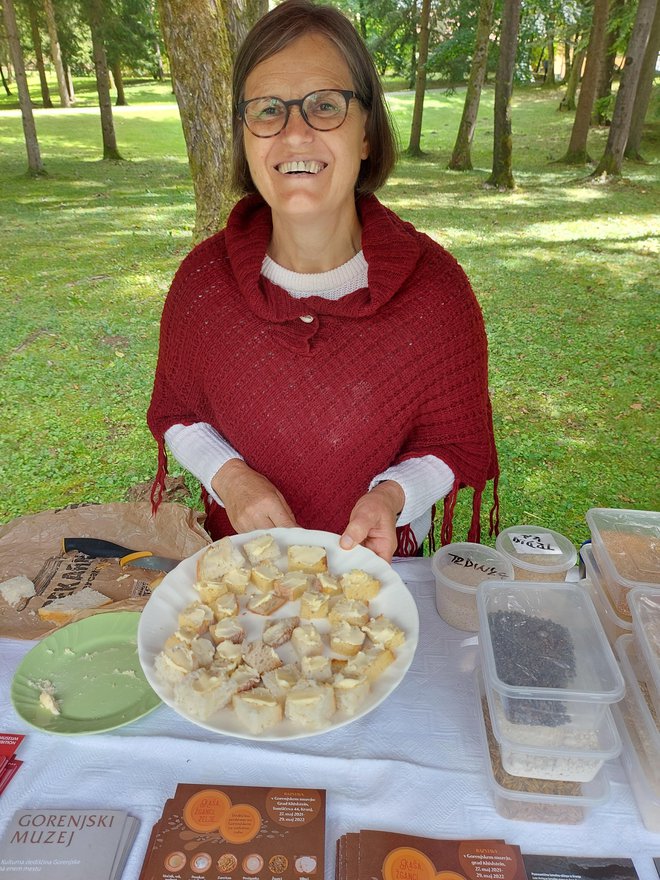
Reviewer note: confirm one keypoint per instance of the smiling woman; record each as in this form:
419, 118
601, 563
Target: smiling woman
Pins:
321, 362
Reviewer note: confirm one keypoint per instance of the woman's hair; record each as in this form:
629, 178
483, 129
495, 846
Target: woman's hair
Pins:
275, 31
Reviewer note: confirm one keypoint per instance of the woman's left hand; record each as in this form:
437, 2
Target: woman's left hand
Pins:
373, 520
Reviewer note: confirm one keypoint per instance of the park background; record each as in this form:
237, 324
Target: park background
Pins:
564, 263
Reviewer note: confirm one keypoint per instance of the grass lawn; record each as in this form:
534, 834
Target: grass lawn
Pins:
566, 272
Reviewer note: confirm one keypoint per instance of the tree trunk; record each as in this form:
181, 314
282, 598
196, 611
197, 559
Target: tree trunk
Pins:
69, 81
4, 81
569, 59
241, 15
550, 78
56, 54
119, 84
606, 71
95, 18
644, 89
38, 54
612, 160
35, 165
197, 40
461, 160
502, 173
414, 147
577, 147
568, 101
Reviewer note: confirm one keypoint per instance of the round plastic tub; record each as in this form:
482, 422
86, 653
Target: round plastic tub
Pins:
537, 553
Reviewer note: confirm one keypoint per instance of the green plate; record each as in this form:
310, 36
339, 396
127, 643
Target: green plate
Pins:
95, 673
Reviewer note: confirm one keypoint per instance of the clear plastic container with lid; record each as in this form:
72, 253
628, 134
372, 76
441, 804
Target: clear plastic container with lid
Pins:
559, 753
639, 772
626, 545
637, 710
546, 655
645, 607
537, 553
613, 624
459, 569
532, 799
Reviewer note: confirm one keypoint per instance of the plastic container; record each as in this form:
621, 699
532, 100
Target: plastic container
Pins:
645, 607
534, 800
536, 553
639, 773
559, 753
636, 709
546, 654
613, 624
626, 544
459, 569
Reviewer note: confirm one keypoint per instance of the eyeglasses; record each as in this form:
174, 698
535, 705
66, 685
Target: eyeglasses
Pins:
323, 111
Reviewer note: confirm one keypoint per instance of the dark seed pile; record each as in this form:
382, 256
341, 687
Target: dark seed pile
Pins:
532, 652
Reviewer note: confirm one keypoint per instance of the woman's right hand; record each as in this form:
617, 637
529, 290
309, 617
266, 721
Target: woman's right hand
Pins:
250, 499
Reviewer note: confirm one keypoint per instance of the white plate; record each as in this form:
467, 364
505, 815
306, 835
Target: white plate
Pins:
159, 619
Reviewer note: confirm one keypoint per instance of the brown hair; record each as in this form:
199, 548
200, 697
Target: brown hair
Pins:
275, 31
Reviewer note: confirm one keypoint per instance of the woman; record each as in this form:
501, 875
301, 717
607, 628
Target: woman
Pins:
321, 362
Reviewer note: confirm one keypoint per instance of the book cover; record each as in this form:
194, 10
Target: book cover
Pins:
238, 831
8, 772
68, 844
384, 855
552, 867
9, 742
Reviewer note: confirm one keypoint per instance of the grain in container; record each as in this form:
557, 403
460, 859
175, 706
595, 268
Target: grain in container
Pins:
537, 553
613, 624
645, 608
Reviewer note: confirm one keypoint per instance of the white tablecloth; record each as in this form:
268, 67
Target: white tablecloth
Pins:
414, 764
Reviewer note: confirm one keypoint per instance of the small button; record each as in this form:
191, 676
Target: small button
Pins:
307, 318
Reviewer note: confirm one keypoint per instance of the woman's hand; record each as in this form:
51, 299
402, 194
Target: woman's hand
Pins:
373, 520
250, 499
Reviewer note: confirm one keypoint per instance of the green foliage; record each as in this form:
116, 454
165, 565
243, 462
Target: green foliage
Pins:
565, 272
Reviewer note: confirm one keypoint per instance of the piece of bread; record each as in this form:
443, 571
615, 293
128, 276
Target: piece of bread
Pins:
227, 630
218, 559
383, 632
228, 656
62, 610
265, 603
310, 703
195, 619
277, 632
306, 558
201, 693
328, 583
225, 606
359, 585
280, 681
265, 576
189, 654
372, 663
261, 657
345, 639
262, 548
16, 589
257, 709
350, 692
237, 580
316, 668
306, 640
244, 678
293, 585
313, 605
209, 591
352, 611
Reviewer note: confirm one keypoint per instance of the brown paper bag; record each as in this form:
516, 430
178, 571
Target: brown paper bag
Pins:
32, 546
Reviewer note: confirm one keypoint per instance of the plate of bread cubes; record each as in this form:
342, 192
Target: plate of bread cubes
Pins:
278, 634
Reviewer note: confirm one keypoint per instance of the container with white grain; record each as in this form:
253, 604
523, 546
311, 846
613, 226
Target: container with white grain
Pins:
645, 608
613, 623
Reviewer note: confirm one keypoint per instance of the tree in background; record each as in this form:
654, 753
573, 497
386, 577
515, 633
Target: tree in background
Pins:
620, 23
56, 54
576, 153
461, 159
414, 147
35, 165
568, 101
130, 40
33, 15
502, 172
96, 12
612, 159
644, 89
242, 15
198, 44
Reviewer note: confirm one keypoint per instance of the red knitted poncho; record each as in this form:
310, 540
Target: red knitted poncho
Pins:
392, 371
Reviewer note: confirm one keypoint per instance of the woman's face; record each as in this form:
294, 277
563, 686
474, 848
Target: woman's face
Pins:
332, 157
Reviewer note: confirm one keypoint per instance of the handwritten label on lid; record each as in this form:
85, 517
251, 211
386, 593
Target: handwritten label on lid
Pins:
534, 544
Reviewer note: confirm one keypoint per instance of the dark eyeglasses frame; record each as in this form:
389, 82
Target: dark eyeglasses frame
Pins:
347, 95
